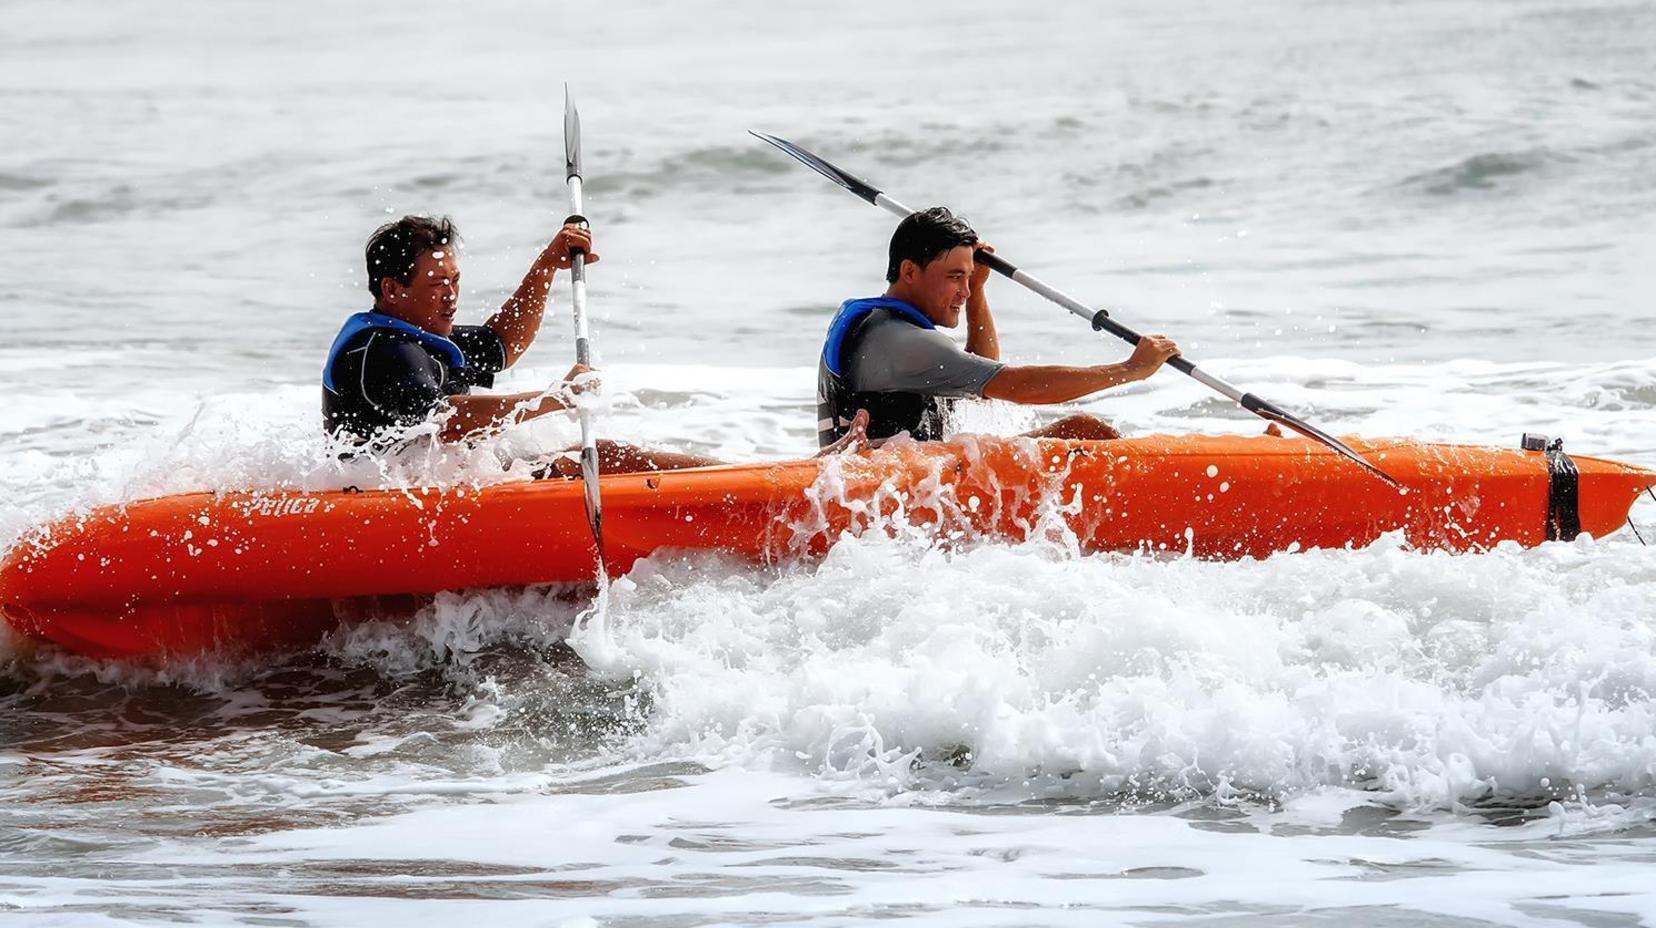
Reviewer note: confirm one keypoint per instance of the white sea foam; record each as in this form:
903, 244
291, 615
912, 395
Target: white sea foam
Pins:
1430, 680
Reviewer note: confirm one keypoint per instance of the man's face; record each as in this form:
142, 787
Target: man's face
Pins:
430, 298
940, 289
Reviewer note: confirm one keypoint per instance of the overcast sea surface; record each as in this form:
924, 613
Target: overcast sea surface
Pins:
1430, 219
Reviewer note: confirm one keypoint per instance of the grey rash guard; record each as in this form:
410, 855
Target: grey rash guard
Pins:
895, 356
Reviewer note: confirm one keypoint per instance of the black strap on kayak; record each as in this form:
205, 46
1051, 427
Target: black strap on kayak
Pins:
1563, 488
1651, 492
1563, 495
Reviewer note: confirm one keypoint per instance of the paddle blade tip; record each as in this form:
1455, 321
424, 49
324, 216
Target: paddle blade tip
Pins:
572, 135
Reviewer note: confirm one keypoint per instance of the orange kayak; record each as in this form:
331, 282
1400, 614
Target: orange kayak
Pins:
235, 572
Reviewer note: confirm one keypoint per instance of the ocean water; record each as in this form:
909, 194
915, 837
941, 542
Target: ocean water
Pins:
1401, 218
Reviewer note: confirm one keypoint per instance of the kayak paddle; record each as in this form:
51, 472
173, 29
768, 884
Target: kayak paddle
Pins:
583, 347
1100, 318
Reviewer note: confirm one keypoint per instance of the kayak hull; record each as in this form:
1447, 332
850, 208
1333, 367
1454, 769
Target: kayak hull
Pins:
235, 572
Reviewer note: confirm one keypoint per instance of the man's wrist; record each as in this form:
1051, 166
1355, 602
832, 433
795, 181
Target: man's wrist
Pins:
1132, 371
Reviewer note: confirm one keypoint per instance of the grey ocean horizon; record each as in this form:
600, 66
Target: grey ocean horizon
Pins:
1426, 219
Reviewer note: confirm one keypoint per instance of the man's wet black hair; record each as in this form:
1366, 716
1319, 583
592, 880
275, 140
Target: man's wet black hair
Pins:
925, 236
395, 246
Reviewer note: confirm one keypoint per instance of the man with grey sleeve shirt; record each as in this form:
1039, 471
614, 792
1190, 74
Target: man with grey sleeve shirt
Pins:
885, 356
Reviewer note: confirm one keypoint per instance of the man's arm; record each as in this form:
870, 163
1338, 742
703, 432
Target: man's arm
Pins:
1056, 383
981, 339
474, 413
519, 317
481, 412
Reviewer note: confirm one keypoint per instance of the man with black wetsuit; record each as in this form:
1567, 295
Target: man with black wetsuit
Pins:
406, 361
885, 354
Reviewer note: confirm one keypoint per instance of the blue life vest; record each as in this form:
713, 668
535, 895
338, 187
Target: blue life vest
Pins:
362, 322
922, 415
852, 313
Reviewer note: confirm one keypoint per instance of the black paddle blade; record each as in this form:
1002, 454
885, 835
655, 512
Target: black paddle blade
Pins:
1267, 410
572, 137
851, 182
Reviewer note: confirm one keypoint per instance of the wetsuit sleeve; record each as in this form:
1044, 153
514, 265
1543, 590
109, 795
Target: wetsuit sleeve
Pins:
399, 380
485, 352
904, 358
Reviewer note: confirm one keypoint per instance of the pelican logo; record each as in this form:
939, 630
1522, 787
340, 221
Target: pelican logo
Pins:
280, 506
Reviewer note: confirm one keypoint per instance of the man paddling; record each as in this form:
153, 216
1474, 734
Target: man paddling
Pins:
885, 355
405, 361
